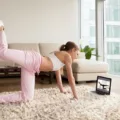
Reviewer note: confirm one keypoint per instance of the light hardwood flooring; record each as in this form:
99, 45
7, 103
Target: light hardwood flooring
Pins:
13, 84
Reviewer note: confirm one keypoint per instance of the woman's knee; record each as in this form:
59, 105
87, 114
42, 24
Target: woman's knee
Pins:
27, 97
2, 51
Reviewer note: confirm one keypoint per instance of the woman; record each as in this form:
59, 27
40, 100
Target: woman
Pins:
32, 62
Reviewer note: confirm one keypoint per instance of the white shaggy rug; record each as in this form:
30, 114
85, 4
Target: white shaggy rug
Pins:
50, 104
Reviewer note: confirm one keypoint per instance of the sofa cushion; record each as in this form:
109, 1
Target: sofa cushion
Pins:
24, 46
89, 66
5, 63
46, 48
81, 55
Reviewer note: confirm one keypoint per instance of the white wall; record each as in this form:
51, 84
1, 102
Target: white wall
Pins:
40, 20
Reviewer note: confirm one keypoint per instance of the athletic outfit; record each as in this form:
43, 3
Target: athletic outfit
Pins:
30, 62
57, 64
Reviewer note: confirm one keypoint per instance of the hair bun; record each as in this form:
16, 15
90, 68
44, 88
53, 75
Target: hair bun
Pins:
68, 46
63, 47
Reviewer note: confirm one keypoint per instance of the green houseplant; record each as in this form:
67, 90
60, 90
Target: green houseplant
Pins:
88, 51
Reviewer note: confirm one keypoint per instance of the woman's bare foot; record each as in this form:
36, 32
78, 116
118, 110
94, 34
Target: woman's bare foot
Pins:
1, 28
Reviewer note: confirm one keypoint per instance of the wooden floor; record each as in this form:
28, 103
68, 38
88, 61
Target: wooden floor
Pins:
13, 84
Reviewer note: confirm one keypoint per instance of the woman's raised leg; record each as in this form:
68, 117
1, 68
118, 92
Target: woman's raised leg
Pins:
30, 62
16, 56
28, 59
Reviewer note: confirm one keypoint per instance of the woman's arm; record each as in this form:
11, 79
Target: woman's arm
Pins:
59, 80
68, 63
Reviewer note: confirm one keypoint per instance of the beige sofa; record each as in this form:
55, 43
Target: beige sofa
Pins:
88, 70
83, 70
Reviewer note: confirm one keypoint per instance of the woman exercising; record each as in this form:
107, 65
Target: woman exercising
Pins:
32, 62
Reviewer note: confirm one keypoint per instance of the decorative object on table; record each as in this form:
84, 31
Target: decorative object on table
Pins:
103, 85
88, 51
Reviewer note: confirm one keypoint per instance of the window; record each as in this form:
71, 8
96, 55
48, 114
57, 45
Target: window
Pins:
113, 31
112, 35
88, 22
113, 48
114, 66
92, 31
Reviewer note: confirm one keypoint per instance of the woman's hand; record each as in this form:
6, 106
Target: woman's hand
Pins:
65, 91
75, 97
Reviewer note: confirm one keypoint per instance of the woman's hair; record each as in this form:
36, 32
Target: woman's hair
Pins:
68, 46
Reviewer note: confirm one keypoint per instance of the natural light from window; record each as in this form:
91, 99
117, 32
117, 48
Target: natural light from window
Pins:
88, 23
112, 35
111, 30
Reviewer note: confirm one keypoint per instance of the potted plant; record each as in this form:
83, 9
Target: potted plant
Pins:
88, 51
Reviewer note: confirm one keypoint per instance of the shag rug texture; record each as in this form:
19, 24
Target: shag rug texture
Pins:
50, 104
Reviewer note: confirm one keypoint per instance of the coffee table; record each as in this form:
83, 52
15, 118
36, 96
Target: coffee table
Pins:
9, 71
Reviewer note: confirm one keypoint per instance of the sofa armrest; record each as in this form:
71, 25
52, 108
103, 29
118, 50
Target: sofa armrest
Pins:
81, 55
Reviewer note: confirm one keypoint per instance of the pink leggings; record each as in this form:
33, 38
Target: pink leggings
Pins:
30, 64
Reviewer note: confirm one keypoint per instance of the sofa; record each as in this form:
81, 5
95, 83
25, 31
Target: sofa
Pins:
83, 70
